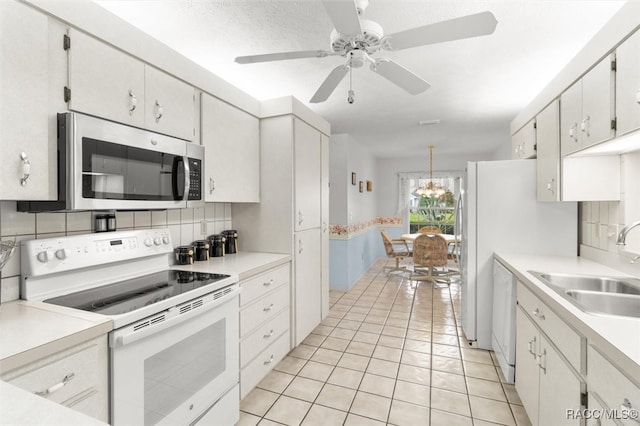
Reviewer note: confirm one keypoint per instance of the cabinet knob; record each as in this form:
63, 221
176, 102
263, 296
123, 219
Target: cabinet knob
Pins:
542, 361
159, 111
212, 185
300, 248
536, 313
133, 102
26, 168
585, 127
550, 185
267, 336
532, 347
573, 134
300, 217
57, 386
268, 308
269, 361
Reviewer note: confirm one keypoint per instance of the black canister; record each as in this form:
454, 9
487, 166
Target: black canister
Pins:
184, 255
231, 245
216, 245
201, 250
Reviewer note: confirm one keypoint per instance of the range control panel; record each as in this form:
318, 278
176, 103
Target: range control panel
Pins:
53, 255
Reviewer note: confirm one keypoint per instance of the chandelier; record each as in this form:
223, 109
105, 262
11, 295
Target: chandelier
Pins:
430, 189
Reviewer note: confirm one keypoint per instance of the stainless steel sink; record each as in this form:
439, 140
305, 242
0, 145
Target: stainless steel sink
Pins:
619, 296
590, 283
609, 303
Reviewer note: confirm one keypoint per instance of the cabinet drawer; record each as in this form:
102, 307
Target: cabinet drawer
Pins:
596, 406
255, 371
564, 337
611, 384
254, 343
82, 363
263, 309
260, 285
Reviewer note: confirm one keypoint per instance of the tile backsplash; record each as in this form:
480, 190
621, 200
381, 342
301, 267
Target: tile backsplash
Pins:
185, 226
600, 222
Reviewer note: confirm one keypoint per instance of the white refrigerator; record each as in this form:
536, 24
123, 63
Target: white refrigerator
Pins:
499, 213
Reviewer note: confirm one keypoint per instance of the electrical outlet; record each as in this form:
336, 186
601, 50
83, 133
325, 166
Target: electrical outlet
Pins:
203, 227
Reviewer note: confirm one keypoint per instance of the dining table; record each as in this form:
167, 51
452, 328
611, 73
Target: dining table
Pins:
449, 238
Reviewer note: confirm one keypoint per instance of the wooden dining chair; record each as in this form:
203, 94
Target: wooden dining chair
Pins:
397, 249
429, 253
429, 230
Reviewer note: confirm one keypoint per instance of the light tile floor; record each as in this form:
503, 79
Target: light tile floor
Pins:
392, 352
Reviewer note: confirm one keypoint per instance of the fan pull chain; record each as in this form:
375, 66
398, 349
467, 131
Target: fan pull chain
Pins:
351, 96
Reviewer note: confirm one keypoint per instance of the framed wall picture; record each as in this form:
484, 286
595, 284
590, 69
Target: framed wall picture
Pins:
353, 178
361, 186
369, 186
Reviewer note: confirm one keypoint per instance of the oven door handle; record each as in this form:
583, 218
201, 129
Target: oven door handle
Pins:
126, 337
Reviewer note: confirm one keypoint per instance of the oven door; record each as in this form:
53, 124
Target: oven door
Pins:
171, 368
120, 167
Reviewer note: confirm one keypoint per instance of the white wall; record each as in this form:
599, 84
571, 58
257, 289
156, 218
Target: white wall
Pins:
339, 178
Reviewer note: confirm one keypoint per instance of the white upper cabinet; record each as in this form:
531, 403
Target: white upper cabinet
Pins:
24, 122
307, 175
523, 142
628, 84
169, 104
109, 83
548, 154
232, 152
105, 81
587, 109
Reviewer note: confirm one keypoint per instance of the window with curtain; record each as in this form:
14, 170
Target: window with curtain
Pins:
428, 210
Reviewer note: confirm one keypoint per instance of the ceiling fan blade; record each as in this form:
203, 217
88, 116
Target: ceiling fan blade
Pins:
400, 76
329, 84
283, 56
479, 24
344, 16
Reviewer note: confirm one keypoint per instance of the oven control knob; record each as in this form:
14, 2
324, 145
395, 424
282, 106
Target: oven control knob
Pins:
165, 240
45, 256
157, 241
62, 253
148, 242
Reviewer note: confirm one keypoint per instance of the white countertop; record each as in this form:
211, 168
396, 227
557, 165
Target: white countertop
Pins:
617, 337
244, 264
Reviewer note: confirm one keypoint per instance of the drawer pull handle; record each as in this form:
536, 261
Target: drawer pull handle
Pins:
629, 411
57, 386
532, 347
268, 308
269, 361
267, 336
268, 283
542, 361
536, 313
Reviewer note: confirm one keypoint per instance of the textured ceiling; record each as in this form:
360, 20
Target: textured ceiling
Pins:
477, 85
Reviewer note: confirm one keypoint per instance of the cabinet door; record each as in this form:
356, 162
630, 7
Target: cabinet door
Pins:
306, 175
527, 370
23, 110
548, 154
169, 104
528, 149
597, 104
232, 152
570, 119
307, 286
559, 388
628, 85
324, 173
516, 145
105, 81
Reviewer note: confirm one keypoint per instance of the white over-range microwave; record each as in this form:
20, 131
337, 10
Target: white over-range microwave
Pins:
104, 165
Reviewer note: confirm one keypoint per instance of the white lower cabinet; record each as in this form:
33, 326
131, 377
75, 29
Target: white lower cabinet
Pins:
546, 382
264, 324
76, 378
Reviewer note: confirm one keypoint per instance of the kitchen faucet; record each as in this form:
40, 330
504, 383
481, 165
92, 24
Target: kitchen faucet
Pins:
622, 236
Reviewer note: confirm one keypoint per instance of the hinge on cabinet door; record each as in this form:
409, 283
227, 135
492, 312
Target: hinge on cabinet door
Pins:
614, 124
614, 65
584, 399
67, 94
535, 125
535, 146
66, 42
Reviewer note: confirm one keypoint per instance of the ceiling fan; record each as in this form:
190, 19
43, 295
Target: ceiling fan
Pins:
356, 39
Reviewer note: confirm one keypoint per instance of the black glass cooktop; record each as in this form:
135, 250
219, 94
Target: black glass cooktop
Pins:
129, 295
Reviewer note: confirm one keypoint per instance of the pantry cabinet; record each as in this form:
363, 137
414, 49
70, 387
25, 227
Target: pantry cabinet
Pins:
27, 156
109, 83
76, 377
547, 378
523, 142
232, 152
288, 218
587, 109
548, 153
628, 85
